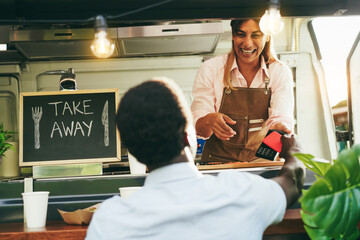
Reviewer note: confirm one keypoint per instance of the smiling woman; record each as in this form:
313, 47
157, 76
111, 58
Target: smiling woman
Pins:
248, 43
237, 96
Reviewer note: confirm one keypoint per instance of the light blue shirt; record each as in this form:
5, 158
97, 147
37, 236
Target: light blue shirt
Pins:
178, 202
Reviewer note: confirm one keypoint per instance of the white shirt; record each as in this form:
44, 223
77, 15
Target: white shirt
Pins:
209, 86
178, 202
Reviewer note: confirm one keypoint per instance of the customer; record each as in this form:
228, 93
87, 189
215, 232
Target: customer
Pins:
239, 96
177, 201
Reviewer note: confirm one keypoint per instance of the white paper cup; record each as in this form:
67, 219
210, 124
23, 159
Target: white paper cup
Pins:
135, 166
126, 192
35, 208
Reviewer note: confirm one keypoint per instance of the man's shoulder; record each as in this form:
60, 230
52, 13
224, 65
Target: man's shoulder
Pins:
254, 185
104, 216
109, 205
233, 173
239, 178
236, 177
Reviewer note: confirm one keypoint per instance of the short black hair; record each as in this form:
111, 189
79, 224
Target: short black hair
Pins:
152, 119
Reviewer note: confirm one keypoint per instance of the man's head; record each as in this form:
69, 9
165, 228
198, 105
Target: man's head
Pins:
153, 118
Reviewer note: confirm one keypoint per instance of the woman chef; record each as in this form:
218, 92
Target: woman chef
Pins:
239, 96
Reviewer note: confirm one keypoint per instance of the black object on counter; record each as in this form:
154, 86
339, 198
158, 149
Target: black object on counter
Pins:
265, 151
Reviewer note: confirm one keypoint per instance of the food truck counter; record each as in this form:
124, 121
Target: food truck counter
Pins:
72, 193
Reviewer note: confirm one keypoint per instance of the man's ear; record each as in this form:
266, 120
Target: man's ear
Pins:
268, 38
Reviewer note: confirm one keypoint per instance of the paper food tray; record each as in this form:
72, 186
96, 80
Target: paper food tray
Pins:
80, 216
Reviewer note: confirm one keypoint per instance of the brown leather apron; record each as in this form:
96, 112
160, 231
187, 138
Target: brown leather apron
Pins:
249, 108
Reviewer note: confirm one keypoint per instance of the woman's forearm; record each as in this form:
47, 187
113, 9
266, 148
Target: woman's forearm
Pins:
203, 127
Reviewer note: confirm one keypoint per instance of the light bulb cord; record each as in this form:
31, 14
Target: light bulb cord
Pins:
274, 4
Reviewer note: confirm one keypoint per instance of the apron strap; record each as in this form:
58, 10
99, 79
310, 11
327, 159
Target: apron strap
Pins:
266, 81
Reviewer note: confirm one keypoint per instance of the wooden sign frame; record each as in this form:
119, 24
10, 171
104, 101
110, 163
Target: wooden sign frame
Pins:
89, 122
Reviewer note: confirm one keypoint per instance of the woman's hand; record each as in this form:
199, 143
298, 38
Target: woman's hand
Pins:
281, 127
215, 123
219, 125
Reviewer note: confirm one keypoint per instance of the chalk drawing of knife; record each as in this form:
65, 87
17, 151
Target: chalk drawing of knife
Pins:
105, 122
36, 116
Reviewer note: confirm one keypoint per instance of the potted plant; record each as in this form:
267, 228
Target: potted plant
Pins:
331, 206
5, 136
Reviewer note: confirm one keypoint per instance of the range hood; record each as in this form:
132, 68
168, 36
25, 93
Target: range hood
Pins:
134, 41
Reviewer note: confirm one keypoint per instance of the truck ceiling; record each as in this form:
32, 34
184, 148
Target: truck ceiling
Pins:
118, 11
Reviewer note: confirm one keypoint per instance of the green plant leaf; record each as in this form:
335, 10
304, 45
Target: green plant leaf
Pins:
5, 136
315, 233
348, 158
317, 167
331, 206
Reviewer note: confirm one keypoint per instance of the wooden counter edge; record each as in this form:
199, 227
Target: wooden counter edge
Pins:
240, 165
291, 223
54, 230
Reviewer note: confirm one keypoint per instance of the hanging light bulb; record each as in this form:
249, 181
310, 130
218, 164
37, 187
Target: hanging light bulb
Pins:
102, 47
270, 22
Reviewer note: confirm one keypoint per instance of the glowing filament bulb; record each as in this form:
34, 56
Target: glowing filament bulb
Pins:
102, 47
270, 22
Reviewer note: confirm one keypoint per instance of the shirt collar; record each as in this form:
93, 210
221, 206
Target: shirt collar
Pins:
263, 69
262, 66
172, 172
234, 66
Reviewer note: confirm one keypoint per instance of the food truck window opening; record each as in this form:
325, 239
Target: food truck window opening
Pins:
335, 37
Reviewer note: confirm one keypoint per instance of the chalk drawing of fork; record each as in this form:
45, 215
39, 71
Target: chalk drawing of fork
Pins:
36, 116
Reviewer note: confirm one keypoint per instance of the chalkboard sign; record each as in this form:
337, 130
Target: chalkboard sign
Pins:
68, 127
